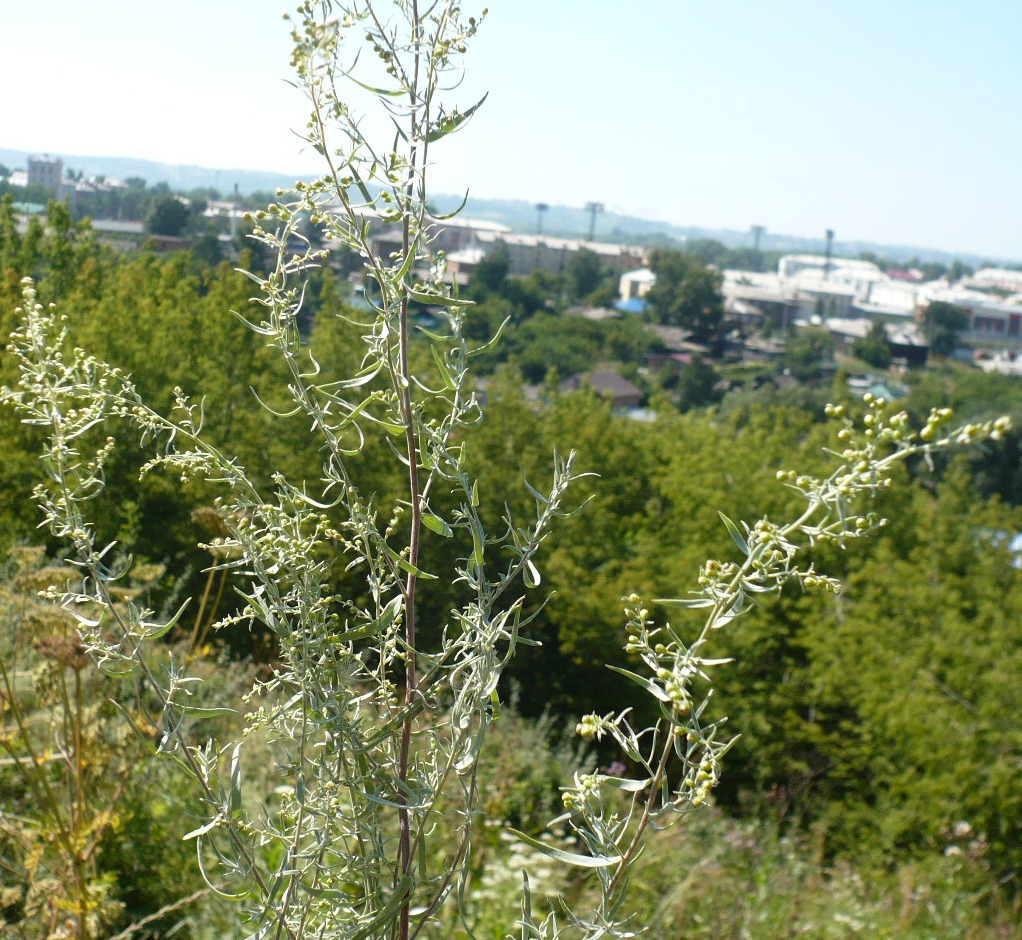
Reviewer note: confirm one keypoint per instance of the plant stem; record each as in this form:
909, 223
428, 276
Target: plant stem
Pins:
411, 443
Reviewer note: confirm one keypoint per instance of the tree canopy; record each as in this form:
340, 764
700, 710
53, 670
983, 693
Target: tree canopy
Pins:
687, 293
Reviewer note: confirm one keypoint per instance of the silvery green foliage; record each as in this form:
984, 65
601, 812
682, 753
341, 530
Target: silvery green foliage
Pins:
375, 738
677, 670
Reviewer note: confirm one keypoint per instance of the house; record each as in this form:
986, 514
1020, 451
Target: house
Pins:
634, 285
907, 341
606, 383
463, 263
756, 298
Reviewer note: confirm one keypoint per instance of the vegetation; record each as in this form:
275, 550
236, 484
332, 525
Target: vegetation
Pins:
686, 294
874, 348
380, 771
944, 322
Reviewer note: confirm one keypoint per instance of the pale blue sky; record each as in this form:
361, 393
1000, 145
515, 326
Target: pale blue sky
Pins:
895, 121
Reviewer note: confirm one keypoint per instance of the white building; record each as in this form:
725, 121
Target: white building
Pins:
528, 253
992, 319
636, 284
996, 279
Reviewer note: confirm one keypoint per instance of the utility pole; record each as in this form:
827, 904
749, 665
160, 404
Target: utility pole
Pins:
541, 208
593, 208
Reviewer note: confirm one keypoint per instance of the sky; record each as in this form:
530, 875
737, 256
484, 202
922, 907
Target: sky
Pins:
891, 121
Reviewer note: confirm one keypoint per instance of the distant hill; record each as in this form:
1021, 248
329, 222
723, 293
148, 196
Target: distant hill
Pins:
519, 214
176, 176
574, 222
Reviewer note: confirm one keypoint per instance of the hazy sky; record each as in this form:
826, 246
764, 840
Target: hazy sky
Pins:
896, 121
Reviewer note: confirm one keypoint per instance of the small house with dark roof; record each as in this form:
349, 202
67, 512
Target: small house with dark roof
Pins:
607, 384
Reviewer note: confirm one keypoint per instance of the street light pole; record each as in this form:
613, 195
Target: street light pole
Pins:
593, 208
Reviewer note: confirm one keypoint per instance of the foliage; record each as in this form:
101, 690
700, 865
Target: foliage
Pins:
373, 719
944, 322
375, 766
491, 272
687, 293
168, 215
563, 343
585, 273
696, 384
73, 786
716, 880
806, 351
874, 348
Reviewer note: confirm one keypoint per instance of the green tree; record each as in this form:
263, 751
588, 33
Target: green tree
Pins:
959, 269
697, 384
134, 199
585, 272
944, 323
687, 293
874, 348
491, 272
167, 215
806, 351
707, 251
208, 250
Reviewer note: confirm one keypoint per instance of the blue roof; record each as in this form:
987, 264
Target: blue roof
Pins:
632, 305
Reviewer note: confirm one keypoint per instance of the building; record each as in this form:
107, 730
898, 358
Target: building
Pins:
908, 344
817, 289
48, 173
756, 298
995, 279
635, 285
462, 264
528, 253
623, 395
992, 320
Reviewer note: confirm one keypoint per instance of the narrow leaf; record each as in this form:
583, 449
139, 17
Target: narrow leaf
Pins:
436, 524
647, 684
735, 534
687, 603
568, 858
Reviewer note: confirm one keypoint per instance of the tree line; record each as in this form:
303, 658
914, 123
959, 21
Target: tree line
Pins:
882, 715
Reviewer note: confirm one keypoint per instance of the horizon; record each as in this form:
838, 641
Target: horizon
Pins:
728, 236
799, 118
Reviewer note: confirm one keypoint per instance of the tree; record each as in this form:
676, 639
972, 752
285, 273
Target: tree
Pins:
807, 350
944, 322
167, 215
585, 271
208, 250
959, 269
707, 250
697, 384
377, 705
687, 293
491, 272
134, 199
874, 348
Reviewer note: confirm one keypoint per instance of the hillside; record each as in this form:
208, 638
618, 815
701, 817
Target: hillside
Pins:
519, 214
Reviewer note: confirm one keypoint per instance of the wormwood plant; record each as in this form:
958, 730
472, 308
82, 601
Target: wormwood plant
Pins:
375, 732
67, 762
60, 766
